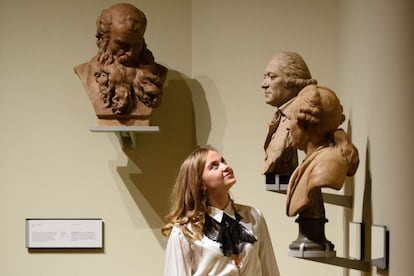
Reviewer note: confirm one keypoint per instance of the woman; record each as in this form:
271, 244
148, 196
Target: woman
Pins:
208, 233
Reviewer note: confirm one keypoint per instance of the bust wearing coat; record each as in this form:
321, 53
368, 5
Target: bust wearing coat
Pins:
285, 75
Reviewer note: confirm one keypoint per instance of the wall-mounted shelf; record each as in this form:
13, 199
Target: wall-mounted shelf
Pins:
356, 261
335, 199
356, 245
343, 262
125, 133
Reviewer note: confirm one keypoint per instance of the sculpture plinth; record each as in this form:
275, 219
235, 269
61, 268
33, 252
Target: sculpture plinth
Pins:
311, 241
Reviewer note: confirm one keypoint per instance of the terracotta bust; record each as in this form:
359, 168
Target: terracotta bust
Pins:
315, 118
122, 80
285, 75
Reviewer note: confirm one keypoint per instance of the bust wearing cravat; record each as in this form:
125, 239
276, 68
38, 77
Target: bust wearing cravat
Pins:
280, 156
285, 75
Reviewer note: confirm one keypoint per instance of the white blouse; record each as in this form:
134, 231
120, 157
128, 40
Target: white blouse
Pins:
204, 257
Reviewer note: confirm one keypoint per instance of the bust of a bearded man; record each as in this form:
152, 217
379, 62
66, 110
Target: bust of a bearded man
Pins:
122, 80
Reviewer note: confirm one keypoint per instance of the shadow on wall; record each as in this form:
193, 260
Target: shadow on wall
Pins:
367, 209
349, 190
367, 215
367, 219
154, 163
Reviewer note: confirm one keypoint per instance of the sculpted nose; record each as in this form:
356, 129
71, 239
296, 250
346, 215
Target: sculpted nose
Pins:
265, 83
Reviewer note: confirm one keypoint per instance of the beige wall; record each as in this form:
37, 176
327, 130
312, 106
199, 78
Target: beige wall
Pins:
376, 59
53, 166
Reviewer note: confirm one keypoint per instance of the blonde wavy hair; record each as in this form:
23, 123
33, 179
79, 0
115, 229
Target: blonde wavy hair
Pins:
188, 205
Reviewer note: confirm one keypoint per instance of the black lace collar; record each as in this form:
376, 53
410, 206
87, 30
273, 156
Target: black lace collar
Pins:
229, 233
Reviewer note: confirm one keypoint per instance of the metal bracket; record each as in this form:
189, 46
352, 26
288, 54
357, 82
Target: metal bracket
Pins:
380, 246
125, 133
343, 262
279, 183
334, 199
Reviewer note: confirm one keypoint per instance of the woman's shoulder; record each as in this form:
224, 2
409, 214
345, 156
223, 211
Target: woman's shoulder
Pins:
177, 229
177, 232
244, 210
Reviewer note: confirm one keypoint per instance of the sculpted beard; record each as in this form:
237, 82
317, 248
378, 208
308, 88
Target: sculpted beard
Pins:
112, 74
140, 77
106, 57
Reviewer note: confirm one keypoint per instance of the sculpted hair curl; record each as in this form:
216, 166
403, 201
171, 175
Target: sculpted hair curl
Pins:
294, 70
320, 110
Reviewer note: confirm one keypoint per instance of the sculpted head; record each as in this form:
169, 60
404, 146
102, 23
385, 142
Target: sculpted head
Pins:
317, 113
285, 75
120, 34
123, 80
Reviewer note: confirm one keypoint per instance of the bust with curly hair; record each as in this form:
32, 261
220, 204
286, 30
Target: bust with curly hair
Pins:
316, 116
285, 75
122, 80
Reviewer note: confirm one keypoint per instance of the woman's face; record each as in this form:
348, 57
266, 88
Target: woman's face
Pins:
217, 174
276, 91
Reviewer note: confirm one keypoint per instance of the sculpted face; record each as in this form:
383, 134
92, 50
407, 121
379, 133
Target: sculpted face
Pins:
298, 136
315, 114
124, 27
276, 91
124, 49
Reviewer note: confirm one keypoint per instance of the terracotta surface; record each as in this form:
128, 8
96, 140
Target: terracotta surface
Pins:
122, 80
285, 75
330, 157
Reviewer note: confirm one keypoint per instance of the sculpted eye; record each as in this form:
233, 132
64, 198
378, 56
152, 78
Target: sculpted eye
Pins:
270, 75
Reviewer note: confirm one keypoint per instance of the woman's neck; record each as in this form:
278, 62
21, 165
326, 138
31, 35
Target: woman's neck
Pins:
218, 202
